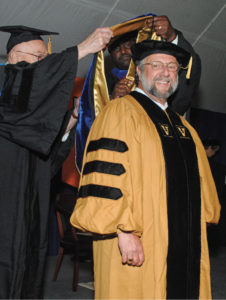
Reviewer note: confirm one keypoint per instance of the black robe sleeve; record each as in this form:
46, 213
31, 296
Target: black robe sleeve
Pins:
181, 100
34, 99
60, 149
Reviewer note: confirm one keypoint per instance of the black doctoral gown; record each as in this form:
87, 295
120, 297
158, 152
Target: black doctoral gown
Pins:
33, 103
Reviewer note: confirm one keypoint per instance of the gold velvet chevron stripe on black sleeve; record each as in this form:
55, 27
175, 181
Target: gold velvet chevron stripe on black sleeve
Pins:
103, 167
107, 144
99, 191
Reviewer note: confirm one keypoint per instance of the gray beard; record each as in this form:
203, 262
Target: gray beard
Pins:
151, 88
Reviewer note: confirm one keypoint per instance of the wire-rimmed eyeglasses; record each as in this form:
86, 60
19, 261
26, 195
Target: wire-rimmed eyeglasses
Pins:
158, 65
38, 56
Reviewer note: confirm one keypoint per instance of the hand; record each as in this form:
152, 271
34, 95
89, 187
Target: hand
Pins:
75, 113
131, 249
95, 42
73, 119
163, 28
76, 103
121, 88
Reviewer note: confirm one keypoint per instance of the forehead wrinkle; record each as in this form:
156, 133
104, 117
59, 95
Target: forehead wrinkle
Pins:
160, 57
36, 46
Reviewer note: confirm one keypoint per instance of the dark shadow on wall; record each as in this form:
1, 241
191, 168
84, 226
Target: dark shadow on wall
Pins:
211, 125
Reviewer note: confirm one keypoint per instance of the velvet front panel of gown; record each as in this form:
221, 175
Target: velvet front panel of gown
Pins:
183, 201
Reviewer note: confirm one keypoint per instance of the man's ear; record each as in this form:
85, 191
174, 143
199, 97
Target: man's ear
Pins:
10, 57
138, 71
137, 75
13, 57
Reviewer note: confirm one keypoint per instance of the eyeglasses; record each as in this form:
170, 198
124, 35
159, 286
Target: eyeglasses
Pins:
39, 57
158, 65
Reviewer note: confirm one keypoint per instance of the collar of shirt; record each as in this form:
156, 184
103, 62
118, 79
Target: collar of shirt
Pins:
175, 41
163, 107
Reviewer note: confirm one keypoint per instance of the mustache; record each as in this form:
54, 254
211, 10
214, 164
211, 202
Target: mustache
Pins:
124, 55
163, 78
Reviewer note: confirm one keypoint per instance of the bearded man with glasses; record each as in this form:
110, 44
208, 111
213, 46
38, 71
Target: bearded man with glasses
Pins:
146, 190
120, 57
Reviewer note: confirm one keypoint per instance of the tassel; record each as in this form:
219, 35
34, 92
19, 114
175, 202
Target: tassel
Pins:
49, 45
189, 68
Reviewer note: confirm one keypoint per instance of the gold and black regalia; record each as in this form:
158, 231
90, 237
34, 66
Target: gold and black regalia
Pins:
33, 118
145, 171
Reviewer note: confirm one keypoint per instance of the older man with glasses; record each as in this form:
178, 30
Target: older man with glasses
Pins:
35, 91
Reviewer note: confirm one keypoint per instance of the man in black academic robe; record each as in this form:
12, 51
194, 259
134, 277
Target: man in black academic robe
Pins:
33, 120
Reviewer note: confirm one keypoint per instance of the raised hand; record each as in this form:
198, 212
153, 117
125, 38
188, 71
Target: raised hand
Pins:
121, 88
162, 27
95, 42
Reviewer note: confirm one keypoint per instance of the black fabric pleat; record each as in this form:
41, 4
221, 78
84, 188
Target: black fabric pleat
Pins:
17, 87
25, 89
107, 144
103, 167
183, 201
99, 191
32, 221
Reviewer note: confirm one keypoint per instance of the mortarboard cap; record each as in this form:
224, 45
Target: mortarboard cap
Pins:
20, 34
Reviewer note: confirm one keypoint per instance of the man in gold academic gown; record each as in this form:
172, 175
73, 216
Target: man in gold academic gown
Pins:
146, 191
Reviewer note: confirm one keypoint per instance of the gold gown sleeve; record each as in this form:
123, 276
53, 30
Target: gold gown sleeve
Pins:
107, 193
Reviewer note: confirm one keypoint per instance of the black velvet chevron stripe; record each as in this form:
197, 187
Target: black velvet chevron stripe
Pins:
104, 167
107, 144
99, 191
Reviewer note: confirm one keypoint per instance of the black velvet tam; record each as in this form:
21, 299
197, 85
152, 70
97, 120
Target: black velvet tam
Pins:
20, 34
148, 47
